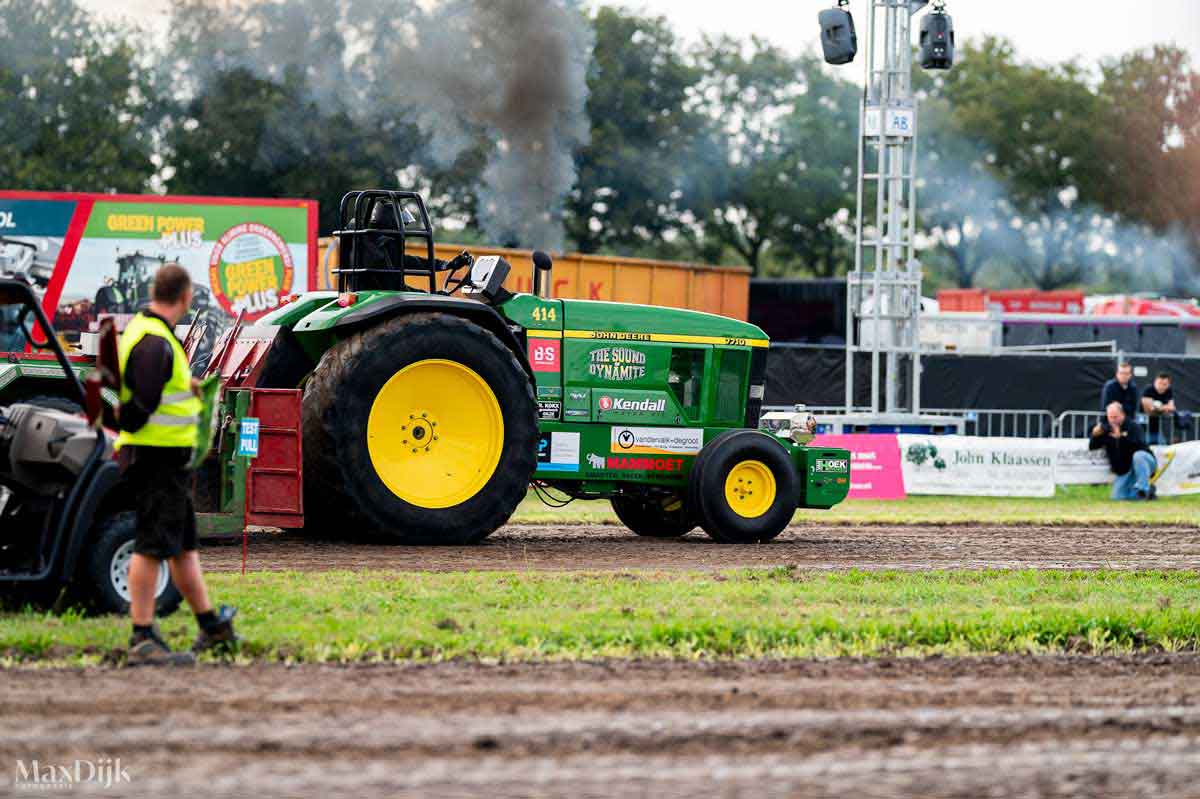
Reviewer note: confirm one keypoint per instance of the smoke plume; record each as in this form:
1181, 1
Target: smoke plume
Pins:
510, 75
989, 236
515, 73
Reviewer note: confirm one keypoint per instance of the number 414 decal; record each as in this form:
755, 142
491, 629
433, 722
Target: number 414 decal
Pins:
545, 355
545, 313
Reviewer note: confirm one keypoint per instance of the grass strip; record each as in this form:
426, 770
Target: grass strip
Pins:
765, 613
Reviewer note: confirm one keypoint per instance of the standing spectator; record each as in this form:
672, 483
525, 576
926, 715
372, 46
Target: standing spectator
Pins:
1121, 389
1128, 456
1158, 401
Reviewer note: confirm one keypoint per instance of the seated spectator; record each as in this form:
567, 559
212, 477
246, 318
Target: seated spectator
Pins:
1121, 389
1158, 401
1128, 456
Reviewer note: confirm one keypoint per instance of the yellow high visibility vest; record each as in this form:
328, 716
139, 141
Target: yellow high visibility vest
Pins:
174, 422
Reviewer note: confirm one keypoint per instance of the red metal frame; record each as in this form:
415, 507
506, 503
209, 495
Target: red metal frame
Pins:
275, 479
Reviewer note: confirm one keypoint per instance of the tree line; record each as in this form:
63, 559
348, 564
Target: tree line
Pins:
721, 151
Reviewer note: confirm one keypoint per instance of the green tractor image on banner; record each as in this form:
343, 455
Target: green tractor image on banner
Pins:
433, 397
129, 292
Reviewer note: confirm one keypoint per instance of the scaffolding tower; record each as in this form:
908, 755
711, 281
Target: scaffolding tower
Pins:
884, 289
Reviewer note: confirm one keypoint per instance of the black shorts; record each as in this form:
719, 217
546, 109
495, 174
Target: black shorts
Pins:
162, 491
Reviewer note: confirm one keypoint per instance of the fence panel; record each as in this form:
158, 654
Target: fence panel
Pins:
1174, 429
998, 422
1028, 423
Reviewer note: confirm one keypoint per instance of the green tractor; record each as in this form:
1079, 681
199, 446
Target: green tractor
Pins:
433, 398
420, 401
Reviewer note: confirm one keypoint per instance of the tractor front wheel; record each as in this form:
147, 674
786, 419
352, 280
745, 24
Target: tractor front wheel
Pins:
423, 430
654, 516
743, 487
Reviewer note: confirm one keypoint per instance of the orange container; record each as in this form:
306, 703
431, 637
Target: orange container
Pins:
723, 290
962, 300
1034, 301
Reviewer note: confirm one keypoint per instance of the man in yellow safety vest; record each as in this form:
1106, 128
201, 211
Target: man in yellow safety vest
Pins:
159, 419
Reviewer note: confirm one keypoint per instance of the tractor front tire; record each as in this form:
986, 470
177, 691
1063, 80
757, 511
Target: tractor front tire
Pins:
743, 487
104, 578
666, 516
422, 430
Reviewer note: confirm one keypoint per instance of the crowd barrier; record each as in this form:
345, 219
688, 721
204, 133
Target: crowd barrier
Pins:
1028, 423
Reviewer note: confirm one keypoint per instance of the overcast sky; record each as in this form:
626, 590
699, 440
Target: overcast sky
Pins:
1043, 30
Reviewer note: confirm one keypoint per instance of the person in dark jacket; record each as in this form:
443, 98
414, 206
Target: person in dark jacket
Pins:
1158, 403
1128, 455
1121, 389
159, 418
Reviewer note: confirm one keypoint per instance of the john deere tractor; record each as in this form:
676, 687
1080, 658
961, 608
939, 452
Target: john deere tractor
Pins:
433, 398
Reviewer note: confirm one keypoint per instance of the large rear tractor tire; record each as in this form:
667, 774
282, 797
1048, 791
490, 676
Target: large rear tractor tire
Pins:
743, 487
422, 430
654, 516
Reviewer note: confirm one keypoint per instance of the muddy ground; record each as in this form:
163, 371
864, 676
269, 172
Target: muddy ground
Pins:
610, 547
996, 727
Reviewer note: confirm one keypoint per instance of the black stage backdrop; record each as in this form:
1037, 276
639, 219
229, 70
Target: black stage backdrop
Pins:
817, 376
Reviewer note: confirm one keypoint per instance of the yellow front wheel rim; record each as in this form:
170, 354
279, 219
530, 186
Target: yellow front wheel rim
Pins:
435, 433
750, 489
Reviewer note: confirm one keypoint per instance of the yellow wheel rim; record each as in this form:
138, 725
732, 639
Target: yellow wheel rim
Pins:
435, 433
750, 489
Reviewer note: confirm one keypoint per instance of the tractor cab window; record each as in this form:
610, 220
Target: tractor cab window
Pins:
685, 379
732, 366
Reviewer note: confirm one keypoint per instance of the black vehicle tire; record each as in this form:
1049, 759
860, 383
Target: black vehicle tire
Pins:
55, 404
454, 484
654, 516
713, 487
105, 568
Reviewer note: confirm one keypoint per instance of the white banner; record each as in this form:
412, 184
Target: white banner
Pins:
1075, 464
972, 466
1178, 469
1178, 466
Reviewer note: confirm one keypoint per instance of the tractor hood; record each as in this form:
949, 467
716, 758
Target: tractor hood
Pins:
627, 322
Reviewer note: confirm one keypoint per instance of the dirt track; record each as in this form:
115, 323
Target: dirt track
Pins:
609, 547
993, 727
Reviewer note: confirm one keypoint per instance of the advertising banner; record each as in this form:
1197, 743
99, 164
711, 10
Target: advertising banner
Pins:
1178, 469
94, 255
874, 464
1075, 464
970, 466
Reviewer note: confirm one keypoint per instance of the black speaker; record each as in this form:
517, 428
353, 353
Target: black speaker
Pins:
937, 40
838, 39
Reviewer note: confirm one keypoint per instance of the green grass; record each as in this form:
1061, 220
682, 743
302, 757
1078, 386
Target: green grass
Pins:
1071, 505
366, 616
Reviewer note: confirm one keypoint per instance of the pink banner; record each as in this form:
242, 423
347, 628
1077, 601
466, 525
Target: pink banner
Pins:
874, 464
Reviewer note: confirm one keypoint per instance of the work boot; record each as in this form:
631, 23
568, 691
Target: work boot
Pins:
149, 649
218, 634
1153, 494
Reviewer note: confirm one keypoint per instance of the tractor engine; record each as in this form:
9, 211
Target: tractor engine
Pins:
42, 450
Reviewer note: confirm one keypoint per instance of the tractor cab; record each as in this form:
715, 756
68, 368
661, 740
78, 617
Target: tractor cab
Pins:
378, 228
